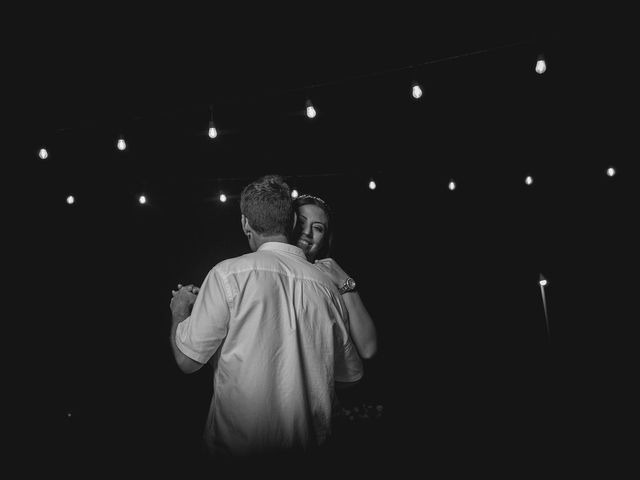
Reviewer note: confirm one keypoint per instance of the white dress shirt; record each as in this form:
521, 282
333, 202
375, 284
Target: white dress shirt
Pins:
276, 331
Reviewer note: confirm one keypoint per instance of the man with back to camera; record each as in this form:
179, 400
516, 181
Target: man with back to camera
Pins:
275, 330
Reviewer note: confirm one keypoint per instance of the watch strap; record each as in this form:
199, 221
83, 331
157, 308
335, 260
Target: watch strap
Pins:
346, 286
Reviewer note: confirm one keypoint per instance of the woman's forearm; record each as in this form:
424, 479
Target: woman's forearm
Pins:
363, 331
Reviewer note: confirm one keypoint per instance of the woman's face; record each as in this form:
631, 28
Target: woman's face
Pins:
312, 230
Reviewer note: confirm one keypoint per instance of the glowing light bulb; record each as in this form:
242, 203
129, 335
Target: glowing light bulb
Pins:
311, 112
294, 193
452, 185
528, 180
70, 199
541, 65
611, 171
121, 144
372, 185
543, 283
43, 154
416, 91
223, 197
142, 199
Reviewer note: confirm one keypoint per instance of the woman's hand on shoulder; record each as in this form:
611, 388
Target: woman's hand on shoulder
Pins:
331, 268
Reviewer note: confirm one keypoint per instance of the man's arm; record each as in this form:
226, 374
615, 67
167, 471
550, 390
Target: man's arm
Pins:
180, 304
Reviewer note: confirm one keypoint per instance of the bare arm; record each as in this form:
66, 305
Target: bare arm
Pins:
363, 330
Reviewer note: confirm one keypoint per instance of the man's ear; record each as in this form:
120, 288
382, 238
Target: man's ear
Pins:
246, 228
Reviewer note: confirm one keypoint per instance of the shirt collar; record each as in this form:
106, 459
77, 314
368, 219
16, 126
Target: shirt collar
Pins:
283, 247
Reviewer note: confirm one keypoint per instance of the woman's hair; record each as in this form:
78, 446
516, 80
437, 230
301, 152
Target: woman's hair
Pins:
328, 238
267, 205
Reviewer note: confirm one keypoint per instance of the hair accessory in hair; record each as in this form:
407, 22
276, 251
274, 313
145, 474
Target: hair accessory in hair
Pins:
302, 197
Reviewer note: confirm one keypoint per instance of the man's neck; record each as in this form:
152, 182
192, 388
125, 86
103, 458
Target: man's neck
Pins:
273, 238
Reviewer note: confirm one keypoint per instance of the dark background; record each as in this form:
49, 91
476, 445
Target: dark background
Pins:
465, 367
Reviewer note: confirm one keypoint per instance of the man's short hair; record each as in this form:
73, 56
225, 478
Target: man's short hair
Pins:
267, 204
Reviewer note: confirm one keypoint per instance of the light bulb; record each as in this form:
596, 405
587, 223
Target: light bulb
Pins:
611, 171
294, 193
121, 144
416, 91
541, 65
528, 180
43, 154
311, 112
372, 185
223, 197
452, 185
70, 199
142, 199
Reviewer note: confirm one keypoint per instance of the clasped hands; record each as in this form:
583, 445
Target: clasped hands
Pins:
183, 299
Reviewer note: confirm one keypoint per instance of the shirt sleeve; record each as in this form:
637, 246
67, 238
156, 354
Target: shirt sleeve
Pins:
199, 335
348, 364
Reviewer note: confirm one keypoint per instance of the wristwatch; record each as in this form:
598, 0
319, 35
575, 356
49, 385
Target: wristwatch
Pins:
349, 285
